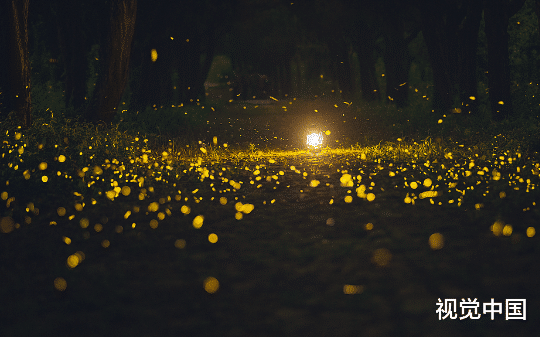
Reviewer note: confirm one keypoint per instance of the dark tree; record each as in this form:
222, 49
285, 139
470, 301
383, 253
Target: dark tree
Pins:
339, 51
364, 45
113, 74
151, 81
396, 53
497, 14
332, 24
191, 71
334, 31
450, 30
216, 25
263, 41
537, 11
276, 58
73, 50
16, 66
185, 35
467, 36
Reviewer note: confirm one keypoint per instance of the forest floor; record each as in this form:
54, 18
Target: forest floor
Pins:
295, 256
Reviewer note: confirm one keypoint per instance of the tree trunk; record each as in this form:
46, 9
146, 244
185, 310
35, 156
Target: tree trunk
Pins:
151, 83
286, 78
190, 66
6, 97
365, 47
158, 86
537, 11
209, 53
17, 92
468, 39
114, 70
73, 49
396, 61
439, 45
497, 14
451, 34
339, 51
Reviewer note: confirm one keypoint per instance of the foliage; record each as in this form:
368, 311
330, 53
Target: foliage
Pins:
221, 70
180, 121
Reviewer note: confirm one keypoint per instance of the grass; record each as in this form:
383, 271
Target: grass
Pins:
115, 228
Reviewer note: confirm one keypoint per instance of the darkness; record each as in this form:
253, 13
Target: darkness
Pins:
136, 133
275, 48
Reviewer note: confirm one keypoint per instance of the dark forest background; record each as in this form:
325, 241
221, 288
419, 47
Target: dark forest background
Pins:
95, 58
423, 183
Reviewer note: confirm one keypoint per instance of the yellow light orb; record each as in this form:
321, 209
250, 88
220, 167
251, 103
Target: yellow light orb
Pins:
60, 284
198, 221
211, 285
213, 238
436, 241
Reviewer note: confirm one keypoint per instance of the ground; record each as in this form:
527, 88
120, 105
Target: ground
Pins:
294, 256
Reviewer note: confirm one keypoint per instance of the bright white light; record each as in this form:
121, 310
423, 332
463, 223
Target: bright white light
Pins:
315, 139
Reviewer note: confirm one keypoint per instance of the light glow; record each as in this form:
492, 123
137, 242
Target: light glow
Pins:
315, 139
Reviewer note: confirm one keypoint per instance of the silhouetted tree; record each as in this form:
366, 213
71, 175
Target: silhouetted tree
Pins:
339, 50
263, 40
364, 44
332, 23
185, 35
277, 51
15, 80
151, 79
113, 74
450, 30
396, 53
497, 14
466, 57
537, 11
74, 48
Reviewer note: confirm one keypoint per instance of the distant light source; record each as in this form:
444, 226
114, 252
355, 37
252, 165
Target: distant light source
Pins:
315, 139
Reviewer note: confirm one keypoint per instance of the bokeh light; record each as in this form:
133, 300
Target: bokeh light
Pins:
60, 284
211, 285
212, 238
198, 221
381, 257
436, 241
